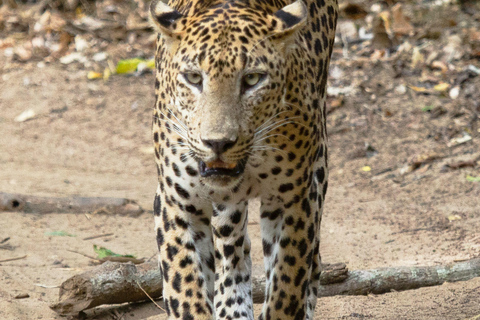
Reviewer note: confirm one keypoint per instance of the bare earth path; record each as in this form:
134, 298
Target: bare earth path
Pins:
93, 139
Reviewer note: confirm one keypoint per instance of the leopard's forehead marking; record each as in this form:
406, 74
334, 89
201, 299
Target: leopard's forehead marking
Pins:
222, 39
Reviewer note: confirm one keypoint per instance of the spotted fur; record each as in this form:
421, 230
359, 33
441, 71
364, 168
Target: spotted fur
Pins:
221, 141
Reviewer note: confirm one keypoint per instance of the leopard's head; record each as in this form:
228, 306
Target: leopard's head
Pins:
222, 78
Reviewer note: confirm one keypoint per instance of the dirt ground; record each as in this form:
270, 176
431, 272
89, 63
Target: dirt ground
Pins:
396, 196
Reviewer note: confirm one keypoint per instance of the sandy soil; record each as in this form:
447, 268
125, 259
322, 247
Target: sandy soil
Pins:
93, 139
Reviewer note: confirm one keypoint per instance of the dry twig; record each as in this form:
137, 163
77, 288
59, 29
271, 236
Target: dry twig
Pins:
151, 299
34, 204
13, 259
98, 236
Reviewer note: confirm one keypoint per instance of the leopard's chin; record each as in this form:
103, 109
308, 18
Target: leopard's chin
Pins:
221, 183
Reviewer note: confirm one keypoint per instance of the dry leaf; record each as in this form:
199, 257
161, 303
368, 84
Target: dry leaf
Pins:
79, 14
23, 53
106, 74
89, 23
81, 44
439, 65
453, 49
400, 25
56, 23
337, 91
385, 17
73, 57
40, 25
474, 69
25, 115
417, 58
457, 141
401, 89
348, 30
378, 54
474, 35
454, 93
454, 217
418, 89
100, 56
6, 43
92, 75
336, 103
441, 87
62, 48
431, 57
381, 40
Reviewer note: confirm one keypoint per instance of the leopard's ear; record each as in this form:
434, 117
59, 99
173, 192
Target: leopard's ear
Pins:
290, 19
166, 21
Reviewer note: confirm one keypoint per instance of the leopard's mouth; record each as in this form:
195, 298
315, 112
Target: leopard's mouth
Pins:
221, 168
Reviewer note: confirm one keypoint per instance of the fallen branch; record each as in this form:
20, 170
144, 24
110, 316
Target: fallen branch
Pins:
109, 283
114, 283
34, 204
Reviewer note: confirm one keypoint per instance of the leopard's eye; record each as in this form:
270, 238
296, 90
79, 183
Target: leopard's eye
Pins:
252, 79
194, 78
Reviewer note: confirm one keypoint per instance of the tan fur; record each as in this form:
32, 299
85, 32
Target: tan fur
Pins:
220, 142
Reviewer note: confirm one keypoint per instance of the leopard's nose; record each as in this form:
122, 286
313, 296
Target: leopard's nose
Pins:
219, 146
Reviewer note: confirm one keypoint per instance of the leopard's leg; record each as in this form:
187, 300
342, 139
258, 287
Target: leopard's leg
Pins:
186, 258
318, 191
233, 290
290, 243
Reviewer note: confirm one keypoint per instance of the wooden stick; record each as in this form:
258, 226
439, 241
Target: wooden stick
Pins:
151, 299
34, 204
13, 259
98, 236
114, 283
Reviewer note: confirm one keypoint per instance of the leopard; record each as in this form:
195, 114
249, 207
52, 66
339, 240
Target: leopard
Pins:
240, 115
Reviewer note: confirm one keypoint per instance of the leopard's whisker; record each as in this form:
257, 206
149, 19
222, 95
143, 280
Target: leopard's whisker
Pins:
271, 119
271, 127
178, 120
175, 127
265, 131
180, 123
271, 148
